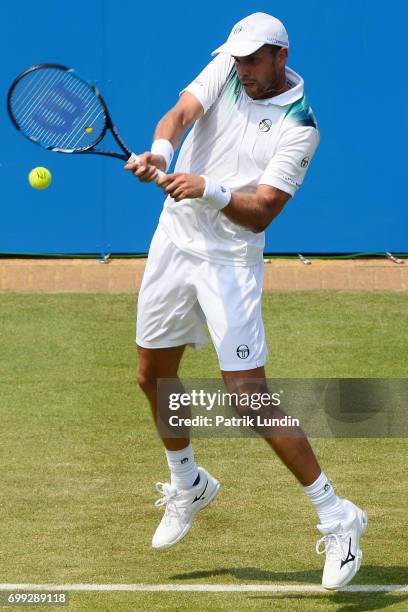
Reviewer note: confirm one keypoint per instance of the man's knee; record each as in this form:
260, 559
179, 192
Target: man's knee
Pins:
146, 378
155, 364
246, 388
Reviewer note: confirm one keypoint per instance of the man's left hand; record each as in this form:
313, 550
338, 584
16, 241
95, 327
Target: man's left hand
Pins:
181, 185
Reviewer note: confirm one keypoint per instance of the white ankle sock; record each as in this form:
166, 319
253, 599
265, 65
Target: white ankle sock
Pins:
328, 506
183, 468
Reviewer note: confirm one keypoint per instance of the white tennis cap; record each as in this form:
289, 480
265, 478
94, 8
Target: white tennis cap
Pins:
252, 32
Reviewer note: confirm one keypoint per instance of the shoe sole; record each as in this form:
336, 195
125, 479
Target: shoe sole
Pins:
363, 518
187, 528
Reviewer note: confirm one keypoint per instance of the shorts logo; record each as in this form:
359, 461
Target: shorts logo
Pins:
223, 189
243, 351
265, 125
305, 162
237, 30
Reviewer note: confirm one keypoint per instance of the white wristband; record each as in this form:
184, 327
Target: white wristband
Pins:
216, 195
163, 147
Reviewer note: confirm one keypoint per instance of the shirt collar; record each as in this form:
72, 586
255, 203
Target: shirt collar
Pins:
288, 97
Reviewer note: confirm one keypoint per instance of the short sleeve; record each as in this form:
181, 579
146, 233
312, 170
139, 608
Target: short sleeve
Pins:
209, 83
287, 168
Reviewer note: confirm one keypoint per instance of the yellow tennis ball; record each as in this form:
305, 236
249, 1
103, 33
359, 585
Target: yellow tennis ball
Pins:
89, 130
40, 178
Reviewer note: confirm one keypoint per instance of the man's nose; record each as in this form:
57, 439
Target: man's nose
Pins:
243, 70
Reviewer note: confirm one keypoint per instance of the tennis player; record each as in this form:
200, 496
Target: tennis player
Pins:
253, 139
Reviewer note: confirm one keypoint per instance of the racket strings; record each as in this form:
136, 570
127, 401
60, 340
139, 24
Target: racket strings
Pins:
57, 109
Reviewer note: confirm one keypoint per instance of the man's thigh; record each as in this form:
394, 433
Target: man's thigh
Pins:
168, 313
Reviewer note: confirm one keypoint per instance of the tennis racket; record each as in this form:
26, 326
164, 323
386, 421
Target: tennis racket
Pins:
55, 108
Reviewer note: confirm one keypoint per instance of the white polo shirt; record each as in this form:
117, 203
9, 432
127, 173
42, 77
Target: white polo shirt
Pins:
241, 143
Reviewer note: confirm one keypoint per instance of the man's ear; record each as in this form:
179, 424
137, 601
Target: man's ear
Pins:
283, 55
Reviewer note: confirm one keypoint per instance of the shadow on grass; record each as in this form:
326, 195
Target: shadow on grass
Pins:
369, 574
345, 602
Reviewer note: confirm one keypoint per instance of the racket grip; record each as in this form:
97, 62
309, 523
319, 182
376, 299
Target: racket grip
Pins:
135, 159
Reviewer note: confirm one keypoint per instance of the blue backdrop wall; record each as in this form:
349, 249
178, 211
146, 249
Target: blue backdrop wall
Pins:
140, 55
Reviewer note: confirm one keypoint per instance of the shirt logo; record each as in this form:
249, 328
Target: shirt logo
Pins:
290, 180
305, 162
265, 125
243, 351
237, 30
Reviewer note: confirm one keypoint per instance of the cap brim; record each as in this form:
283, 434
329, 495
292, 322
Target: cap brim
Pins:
239, 48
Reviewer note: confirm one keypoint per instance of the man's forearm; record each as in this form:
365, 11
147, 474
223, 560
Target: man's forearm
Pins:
176, 122
251, 211
171, 128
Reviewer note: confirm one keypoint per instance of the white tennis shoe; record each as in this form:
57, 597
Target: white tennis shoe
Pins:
342, 547
181, 508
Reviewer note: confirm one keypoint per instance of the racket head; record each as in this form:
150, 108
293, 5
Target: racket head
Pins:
55, 108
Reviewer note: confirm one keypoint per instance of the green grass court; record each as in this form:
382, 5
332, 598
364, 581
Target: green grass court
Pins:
80, 458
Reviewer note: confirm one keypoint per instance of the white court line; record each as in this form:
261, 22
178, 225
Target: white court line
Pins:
207, 588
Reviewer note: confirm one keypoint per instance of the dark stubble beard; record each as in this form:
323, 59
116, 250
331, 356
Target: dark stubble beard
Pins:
278, 87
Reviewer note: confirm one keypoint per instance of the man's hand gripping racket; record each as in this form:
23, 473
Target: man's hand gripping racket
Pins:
58, 110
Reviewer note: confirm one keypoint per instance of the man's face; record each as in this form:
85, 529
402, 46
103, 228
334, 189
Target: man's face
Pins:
260, 73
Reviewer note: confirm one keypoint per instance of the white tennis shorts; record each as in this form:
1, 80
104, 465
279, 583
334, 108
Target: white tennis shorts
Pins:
181, 292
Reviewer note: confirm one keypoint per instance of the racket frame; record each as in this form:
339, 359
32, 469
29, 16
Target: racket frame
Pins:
127, 153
